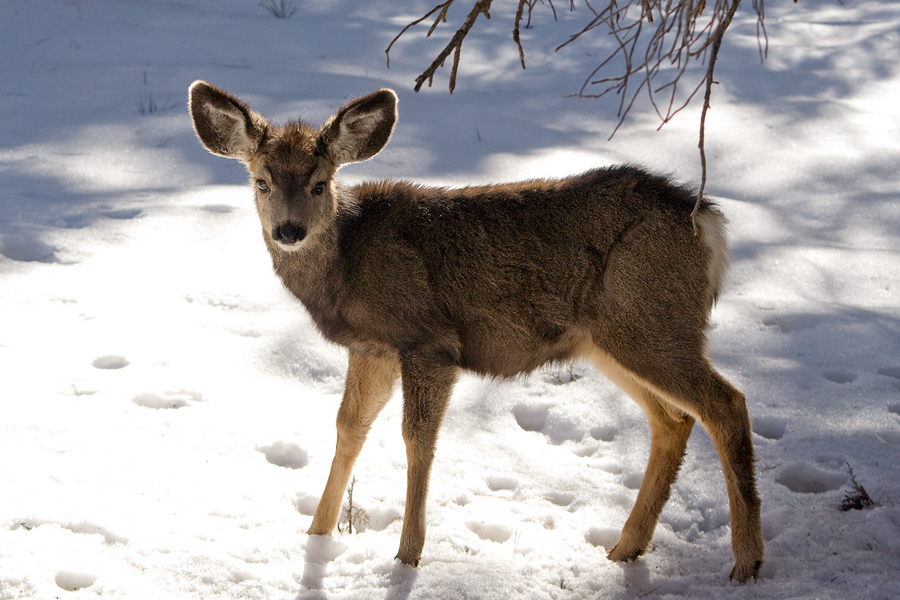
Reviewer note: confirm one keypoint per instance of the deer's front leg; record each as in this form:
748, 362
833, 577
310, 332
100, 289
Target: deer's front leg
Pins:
370, 380
426, 391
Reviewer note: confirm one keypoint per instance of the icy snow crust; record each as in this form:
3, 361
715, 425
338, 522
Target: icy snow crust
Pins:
167, 409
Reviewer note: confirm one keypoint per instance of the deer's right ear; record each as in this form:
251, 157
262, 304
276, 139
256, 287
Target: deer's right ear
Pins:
225, 125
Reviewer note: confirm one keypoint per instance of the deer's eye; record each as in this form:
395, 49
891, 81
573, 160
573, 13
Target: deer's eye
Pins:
319, 188
262, 185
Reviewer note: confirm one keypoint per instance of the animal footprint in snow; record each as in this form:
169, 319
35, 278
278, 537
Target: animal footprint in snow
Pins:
26, 248
891, 436
807, 478
306, 504
493, 532
840, 376
218, 208
604, 433
167, 400
556, 427
110, 362
498, 483
893, 372
382, 516
122, 213
531, 418
88, 528
585, 450
790, 323
602, 537
285, 454
771, 428
609, 465
72, 581
560, 498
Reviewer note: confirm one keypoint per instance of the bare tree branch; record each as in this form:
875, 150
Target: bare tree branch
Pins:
655, 43
455, 44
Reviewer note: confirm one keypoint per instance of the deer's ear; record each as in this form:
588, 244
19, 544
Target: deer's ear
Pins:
361, 128
225, 125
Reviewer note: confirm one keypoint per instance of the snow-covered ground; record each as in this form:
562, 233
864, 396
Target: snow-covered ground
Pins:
167, 410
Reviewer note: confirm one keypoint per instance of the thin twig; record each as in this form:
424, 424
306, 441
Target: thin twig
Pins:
519, 10
713, 55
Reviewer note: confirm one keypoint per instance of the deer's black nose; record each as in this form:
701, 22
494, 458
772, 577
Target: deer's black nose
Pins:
289, 233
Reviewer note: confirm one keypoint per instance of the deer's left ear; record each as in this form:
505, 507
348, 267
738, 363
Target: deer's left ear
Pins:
361, 128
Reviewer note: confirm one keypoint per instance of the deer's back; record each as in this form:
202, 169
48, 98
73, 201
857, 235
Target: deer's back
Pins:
500, 279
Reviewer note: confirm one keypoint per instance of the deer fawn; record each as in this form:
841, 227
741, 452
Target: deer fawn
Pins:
421, 282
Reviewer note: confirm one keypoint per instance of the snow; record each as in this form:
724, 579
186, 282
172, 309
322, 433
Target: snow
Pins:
168, 409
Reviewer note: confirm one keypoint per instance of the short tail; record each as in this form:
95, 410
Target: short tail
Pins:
711, 224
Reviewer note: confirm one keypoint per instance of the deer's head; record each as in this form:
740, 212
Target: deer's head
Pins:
292, 167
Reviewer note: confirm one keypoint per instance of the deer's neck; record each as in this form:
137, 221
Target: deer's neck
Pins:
315, 274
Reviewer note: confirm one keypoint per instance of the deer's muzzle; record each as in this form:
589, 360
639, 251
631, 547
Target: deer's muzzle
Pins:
289, 234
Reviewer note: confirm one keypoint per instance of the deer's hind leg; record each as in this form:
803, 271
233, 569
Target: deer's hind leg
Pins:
369, 385
724, 415
694, 388
670, 429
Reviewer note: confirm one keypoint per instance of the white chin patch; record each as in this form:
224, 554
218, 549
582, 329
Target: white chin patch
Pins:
289, 247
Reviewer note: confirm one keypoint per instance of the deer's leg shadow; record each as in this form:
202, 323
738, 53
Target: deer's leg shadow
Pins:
320, 550
403, 577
